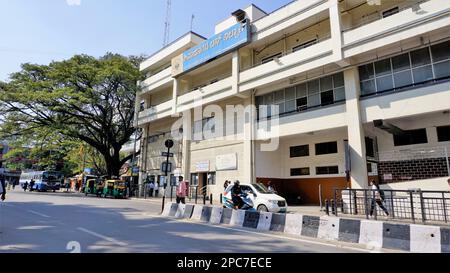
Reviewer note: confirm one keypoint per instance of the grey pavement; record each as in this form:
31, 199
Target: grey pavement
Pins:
62, 223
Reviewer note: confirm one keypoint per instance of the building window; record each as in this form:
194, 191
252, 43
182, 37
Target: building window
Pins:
326, 148
211, 178
315, 93
271, 58
194, 179
411, 137
370, 151
409, 69
369, 167
205, 125
300, 172
390, 12
327, 170
443, 133
300, 151
304, 45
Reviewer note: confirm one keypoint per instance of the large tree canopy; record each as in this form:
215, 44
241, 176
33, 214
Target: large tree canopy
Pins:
82, 98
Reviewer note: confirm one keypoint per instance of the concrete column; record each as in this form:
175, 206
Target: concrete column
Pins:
336, 28
247, 165
187, 137
356, 135
176, 84
235, 68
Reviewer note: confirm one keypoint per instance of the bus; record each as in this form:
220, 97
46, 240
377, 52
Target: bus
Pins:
43, 181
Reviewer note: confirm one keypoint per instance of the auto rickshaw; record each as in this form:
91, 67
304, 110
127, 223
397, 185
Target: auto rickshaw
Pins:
93, 186
115, 188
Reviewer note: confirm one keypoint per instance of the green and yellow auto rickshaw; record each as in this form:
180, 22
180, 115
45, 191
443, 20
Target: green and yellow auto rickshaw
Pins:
93, 186
114, 188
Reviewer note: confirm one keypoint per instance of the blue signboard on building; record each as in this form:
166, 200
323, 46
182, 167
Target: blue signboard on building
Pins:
236, 36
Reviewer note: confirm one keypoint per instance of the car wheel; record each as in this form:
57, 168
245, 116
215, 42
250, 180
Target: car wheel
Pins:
262, 208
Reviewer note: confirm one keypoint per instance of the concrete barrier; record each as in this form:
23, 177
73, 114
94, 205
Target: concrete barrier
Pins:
328, 228
294, 223
237, 218
265, 220
396, 236
197, 213
371, 234
278, 222
216, 215
251, 219
180, 211
425, 239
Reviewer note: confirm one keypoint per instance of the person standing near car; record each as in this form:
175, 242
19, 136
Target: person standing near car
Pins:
271, 188
236, 195
32, 185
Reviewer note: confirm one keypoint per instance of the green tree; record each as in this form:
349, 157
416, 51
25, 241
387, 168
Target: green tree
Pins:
80, 99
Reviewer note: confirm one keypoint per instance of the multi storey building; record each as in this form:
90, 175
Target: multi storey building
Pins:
362, 90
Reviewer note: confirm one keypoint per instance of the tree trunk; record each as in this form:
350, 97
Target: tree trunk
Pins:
113, 165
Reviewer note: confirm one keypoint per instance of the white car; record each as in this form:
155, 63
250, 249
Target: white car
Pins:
263, 199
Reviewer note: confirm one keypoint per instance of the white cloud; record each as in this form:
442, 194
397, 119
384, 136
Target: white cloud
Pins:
73, 2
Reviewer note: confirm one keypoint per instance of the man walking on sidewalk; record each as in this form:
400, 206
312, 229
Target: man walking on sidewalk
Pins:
377, 198
2, 187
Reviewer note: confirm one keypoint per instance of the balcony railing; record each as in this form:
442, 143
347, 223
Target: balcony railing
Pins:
155, 112
157, 80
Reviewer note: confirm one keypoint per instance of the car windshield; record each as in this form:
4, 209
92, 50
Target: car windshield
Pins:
261, 188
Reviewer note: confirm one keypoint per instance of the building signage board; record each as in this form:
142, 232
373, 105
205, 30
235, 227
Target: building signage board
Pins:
226, 162
222, 43
202, 166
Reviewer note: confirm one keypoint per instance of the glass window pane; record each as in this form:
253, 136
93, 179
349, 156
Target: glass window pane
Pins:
339, 94
301, 90
259, 101
281, 109
313, 87
383, 67
327, 97
338, 80
302, 103
384, 83
442, 69
268, 99
366, 72
423, 74
290, 106
279, 96
290, 93
368, 87
401, 62
314, 100
403, 79
441, 51
326, 83
420, 57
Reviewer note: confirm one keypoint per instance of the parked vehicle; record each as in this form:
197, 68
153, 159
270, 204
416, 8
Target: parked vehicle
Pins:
263, 200
114, 188
94, 186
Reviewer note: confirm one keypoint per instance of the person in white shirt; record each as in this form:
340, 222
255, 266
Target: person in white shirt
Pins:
152, 188
377, 198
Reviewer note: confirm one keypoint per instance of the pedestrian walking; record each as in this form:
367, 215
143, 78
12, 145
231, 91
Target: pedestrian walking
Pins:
2, 187
151, 188
25, 186
156, 189
377, 198
182, 190
32, 185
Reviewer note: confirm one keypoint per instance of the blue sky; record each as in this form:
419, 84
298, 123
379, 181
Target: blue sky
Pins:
39, 31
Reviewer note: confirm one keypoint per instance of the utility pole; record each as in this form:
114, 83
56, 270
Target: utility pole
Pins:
192, 21
167, 23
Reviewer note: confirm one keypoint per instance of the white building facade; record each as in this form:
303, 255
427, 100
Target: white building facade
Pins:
362, 92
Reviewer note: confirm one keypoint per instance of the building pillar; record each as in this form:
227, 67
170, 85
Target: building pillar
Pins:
336, 29
186, 152
248, 166
235, 68
356, 135
176, 84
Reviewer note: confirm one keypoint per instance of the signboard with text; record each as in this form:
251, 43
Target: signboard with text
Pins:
220, 44
226, 162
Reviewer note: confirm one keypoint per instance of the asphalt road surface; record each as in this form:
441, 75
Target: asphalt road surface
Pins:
65, 223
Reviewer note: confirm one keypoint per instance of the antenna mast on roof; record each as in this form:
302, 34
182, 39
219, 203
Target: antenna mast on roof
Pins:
167, 23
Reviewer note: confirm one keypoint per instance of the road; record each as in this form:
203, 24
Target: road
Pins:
64, 223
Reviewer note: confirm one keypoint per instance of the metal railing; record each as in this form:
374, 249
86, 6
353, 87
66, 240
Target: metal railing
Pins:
408, 205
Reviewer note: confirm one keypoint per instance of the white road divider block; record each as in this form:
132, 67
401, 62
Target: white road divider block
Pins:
294, 224
329, 228
371, 234
265, 219
425, 239
237, 218
180, 211
197, 214
216, 215
167, 208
